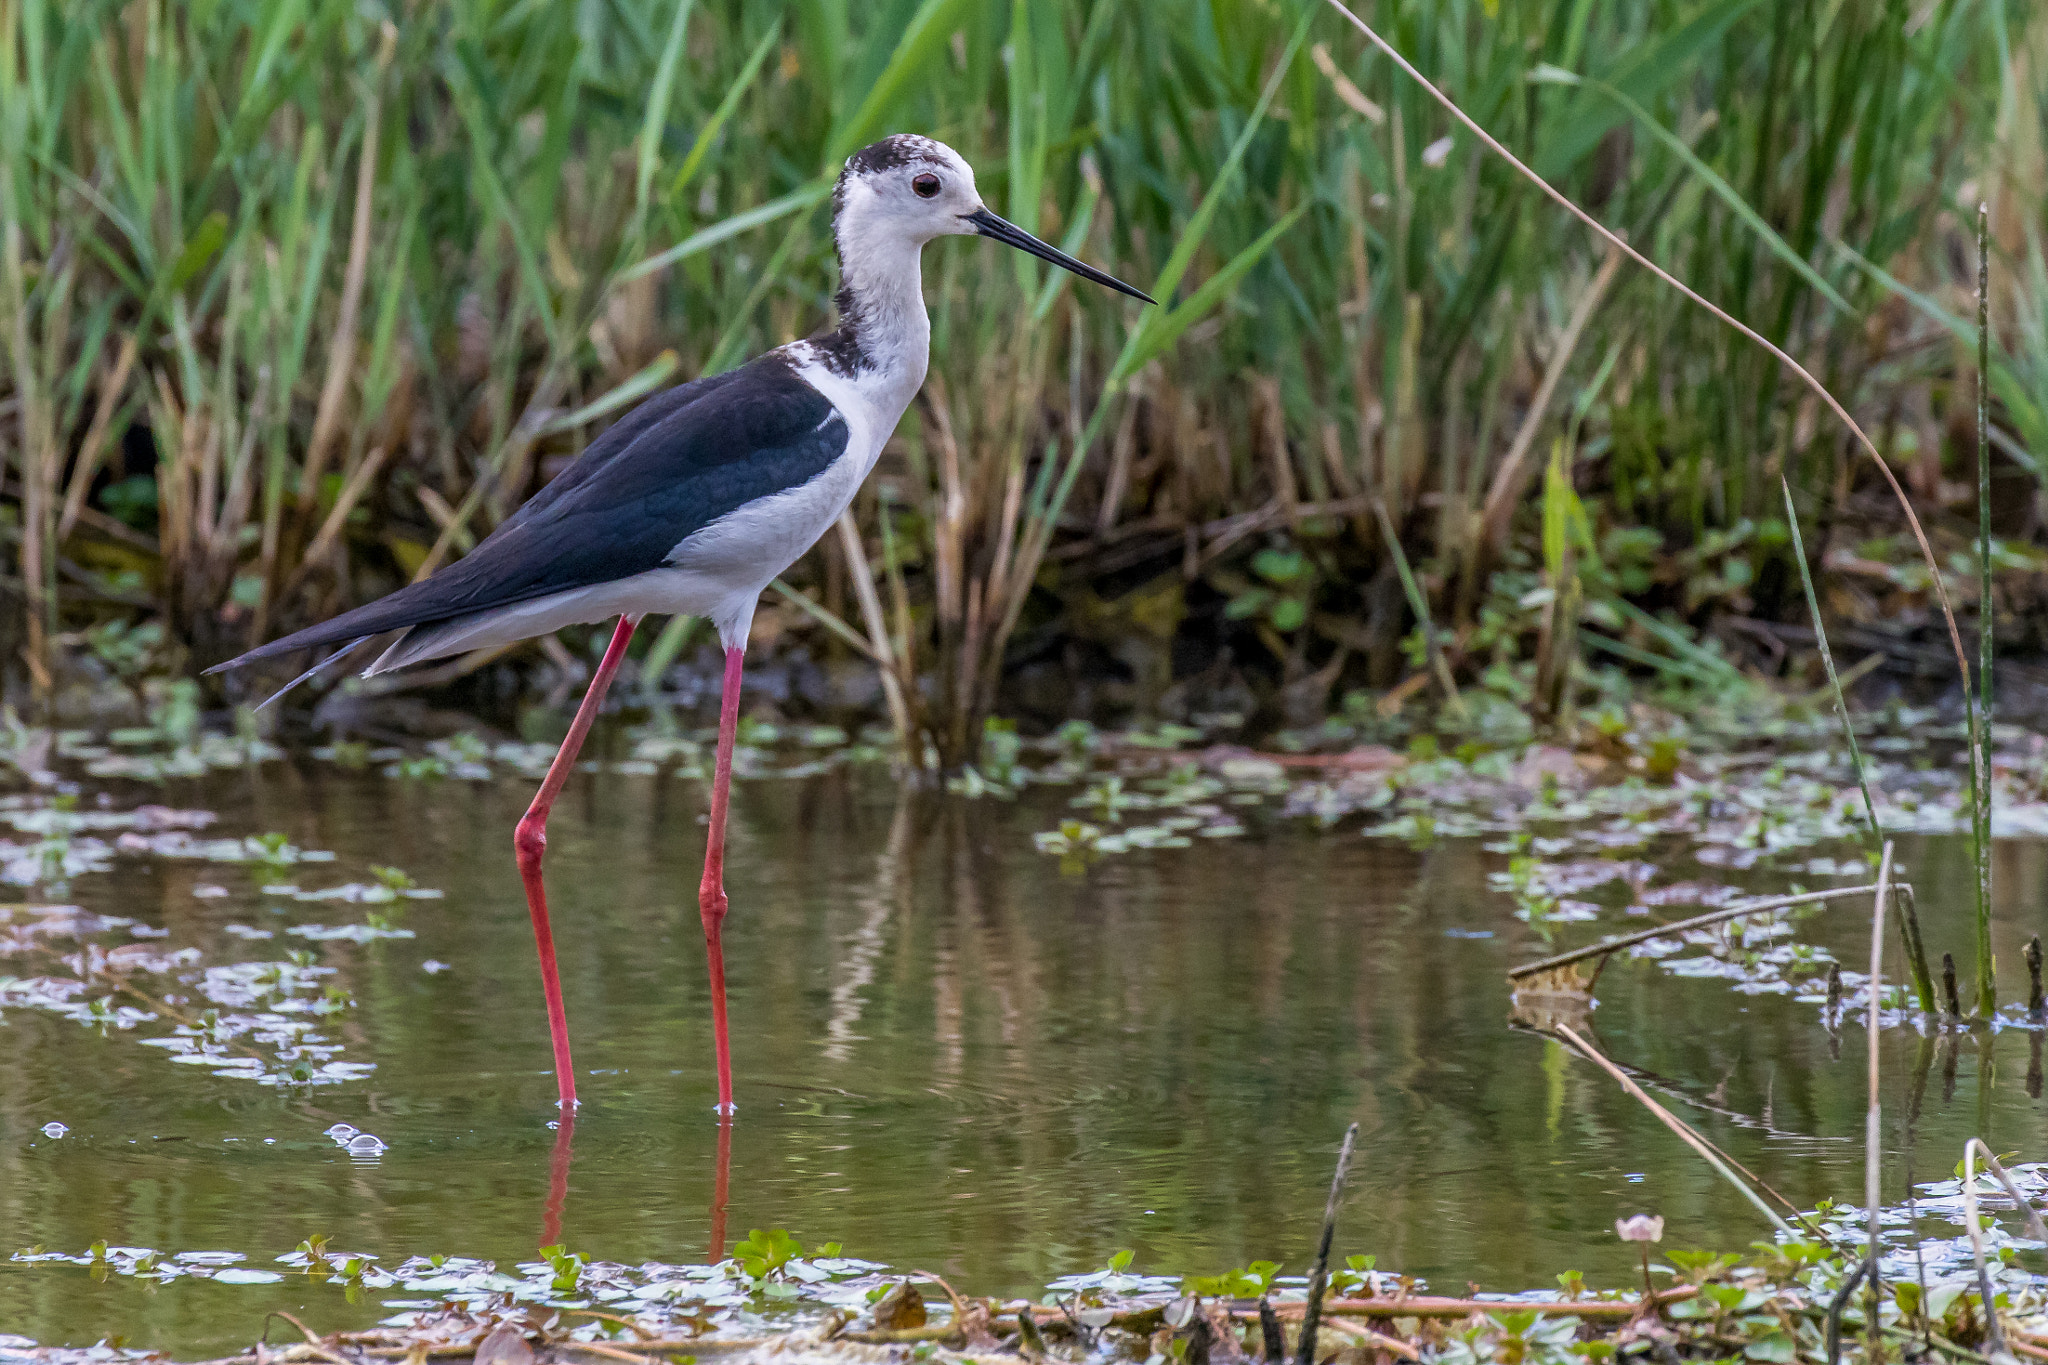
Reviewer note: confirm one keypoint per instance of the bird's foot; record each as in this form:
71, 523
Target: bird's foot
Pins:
725, 1110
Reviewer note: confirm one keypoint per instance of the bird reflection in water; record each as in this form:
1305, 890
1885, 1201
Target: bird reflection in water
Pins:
564, 1152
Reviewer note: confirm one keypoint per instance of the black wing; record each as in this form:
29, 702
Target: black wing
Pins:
669, 468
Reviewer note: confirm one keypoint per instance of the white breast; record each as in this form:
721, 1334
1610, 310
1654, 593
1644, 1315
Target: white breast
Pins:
745, 550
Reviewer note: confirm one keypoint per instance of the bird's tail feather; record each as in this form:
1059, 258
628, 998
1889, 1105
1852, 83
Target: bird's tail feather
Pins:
341, 653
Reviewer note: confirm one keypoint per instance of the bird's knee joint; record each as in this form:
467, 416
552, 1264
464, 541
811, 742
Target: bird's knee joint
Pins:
530, 841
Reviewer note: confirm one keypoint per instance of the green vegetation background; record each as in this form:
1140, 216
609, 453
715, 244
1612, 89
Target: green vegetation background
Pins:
299, 297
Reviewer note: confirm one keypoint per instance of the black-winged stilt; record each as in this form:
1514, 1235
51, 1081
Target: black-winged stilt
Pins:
695, 500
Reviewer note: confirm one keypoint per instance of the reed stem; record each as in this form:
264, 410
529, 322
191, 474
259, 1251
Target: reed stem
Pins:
1980, 764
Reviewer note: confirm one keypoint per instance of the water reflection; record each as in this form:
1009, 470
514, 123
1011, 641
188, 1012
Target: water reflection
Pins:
950, 1056
720, 1182
563, 1153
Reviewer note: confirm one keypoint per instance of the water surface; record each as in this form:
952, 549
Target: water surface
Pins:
950, 1055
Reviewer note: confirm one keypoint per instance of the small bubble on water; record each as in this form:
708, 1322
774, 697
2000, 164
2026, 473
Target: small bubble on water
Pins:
1634, 1177
54, 1129
434, 967
365, 1144
342, 1132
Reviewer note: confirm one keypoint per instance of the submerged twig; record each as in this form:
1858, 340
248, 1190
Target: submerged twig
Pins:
1677, 1126
1620, 941
1319, 1275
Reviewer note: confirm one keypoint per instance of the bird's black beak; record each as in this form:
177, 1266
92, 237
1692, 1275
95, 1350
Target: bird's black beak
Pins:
988, 225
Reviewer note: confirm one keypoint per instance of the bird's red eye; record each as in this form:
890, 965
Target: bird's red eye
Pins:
926, 185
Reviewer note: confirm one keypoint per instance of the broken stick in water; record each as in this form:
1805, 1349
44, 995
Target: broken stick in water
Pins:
1607, 946
1319, 1277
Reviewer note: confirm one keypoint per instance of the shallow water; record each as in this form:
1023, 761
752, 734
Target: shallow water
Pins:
950, 1055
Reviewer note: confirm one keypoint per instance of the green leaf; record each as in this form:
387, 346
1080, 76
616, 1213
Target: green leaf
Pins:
1279, 566
1650, 69
204, 243
814, 193
2026, 415
1547, 74
657, 110
708, 134
1875, 837
765, 1252
924, 38
1161, 330
1776, 1348
630, 390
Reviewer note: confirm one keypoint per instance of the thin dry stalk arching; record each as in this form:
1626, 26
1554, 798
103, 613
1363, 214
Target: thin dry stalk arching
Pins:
1615, 240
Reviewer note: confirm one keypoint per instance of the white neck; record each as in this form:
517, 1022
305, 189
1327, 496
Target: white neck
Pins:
883, 343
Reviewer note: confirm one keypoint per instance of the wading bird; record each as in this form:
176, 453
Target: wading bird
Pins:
695, 500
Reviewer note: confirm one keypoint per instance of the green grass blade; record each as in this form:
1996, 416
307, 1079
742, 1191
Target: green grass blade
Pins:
656, 115
1419, 604
630, 390
707, 136
924, 39
1980, 765
1647, 71
1153, 340
1725, 192
666, 649
795, 201
1197, 230
1827, 660
2027, 415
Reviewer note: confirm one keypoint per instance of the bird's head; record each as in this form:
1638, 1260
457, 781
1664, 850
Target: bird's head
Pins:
912, 189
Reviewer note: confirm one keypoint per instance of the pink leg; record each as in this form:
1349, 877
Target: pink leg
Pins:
530, 841
711, 892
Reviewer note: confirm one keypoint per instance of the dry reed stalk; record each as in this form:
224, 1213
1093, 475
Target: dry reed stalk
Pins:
878, 634
1511, 480
35, 454
1429, 1306
341, 360
337, 516
89, 452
